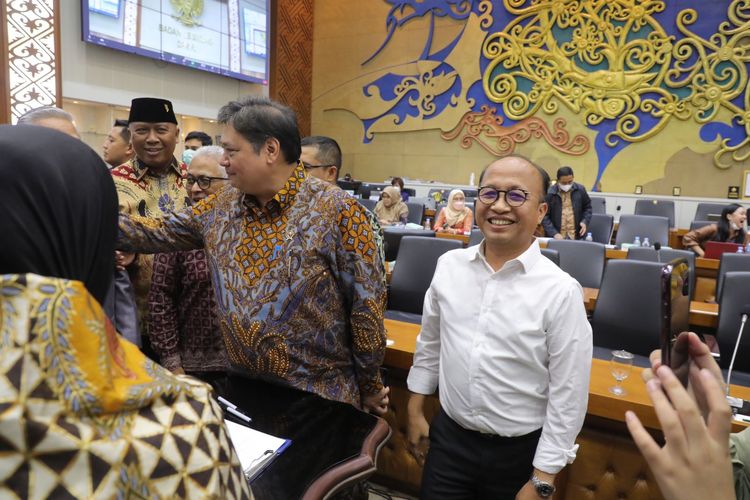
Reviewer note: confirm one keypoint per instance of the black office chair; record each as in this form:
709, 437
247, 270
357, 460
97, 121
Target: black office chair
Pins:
708, 211
352, 186
655, 228
368, 204
583, 260
475, 238
424, 201
628, 309
734, 302
552, 255
666, 255
731, 262
658, 208
412, 275
392, 239
598, 205
411, 192
696, 224
443, 194
600, 227
416, 212
470, 193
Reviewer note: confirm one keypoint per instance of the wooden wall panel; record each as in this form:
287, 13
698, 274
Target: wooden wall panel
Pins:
291, 57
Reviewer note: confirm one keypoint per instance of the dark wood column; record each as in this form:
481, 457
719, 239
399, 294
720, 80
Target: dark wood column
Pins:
290, 79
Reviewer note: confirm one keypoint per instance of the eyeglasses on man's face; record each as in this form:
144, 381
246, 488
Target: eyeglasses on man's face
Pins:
204, 181
308, 166
513, 197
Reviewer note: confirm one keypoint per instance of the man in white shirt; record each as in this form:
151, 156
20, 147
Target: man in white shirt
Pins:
505, 338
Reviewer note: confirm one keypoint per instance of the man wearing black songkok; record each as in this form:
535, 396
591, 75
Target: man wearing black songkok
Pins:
151, 184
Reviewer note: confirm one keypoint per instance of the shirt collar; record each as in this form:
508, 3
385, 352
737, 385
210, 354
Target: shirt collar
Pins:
526, 260
284, 198
141, 169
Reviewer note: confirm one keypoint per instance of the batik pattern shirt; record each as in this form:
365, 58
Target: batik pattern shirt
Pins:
83, 414
183, 323
140, 192
300, 282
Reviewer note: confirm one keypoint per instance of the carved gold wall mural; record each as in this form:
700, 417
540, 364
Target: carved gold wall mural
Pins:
588, 78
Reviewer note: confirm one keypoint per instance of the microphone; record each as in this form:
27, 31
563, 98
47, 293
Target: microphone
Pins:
737, 403
657, 247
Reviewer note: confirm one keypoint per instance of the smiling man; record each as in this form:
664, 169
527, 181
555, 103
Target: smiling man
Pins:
149, 185
294, 262
505, 340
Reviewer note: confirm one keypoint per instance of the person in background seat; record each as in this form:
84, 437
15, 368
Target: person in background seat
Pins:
730, 228
455, 217
390, 209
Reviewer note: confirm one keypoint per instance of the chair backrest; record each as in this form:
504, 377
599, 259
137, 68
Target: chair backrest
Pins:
427, 202
628, 309
368, 204
366, 190
410, 191
600, 228
703, 210
656, 207
653, 227
552, 255
664, 256
392, 239
598, 205
416, 212
443, 193
734, 302
415, 266
475, 238
696, 224
583, 260
730, 262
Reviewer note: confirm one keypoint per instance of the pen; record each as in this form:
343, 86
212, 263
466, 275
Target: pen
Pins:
227, 403
238, 414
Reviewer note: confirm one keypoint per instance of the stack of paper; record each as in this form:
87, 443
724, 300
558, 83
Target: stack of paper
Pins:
255, 449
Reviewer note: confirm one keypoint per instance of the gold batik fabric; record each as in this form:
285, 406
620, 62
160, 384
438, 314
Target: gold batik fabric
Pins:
83, 414
140, 192
300, 282
567, 221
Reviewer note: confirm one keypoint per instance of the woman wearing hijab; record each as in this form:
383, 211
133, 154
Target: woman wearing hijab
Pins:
730, 228
455, 217
390, 209
84, 413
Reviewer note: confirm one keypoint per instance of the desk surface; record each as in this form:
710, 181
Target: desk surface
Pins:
333, 444
602, 403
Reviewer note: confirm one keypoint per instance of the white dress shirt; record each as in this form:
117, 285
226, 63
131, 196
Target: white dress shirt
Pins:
510, 350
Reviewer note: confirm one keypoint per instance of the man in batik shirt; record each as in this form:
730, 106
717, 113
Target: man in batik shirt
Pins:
294, 262
149, 185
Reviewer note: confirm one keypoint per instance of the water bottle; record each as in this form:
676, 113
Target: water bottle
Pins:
740, 250
646, 243
589, 237
428, 224
637, 241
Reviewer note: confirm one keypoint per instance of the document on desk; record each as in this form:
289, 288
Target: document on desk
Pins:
255, 449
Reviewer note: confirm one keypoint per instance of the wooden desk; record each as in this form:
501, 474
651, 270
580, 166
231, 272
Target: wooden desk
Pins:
334, 445
701, 313
448, 236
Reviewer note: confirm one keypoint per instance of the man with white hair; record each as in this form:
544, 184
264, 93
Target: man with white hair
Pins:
51, 117
184, 327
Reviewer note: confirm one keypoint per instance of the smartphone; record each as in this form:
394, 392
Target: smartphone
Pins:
675, 301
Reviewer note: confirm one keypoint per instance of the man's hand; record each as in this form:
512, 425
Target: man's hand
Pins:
377, 403
558, 236
582, 232
694, 463
123, 260
417, 429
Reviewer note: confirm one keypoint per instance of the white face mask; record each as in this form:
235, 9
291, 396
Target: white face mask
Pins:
566, 187
735, 227
458, 205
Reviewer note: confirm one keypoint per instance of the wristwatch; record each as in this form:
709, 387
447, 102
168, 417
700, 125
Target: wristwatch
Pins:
543, 488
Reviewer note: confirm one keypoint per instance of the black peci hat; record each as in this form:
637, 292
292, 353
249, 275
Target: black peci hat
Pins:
151, 110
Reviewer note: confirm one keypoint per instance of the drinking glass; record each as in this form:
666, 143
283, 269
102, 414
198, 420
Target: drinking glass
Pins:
620, 366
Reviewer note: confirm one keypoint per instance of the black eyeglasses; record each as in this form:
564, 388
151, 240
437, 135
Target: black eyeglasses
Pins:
204, 181
310, 167
513, 197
